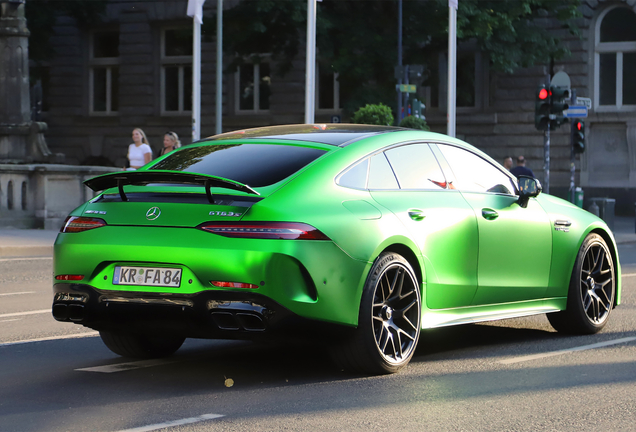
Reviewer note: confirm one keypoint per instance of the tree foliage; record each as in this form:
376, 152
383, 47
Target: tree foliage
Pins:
358, 39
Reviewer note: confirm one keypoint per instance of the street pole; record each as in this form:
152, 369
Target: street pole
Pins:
310, 78
219, 67
452, 66
546, 150
399, 91
572, 155
196, 81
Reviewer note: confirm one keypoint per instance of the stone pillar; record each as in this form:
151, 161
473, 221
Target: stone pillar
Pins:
21, 140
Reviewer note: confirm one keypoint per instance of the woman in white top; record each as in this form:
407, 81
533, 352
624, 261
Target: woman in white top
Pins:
139, 152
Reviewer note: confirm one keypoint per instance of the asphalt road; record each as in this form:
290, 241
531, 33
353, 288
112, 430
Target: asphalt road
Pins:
516, 375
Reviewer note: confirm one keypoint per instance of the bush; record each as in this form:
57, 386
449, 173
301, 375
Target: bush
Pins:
379, 114
413, 122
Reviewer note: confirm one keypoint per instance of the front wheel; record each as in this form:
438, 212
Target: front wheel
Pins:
592, 290
140, 346
388, 322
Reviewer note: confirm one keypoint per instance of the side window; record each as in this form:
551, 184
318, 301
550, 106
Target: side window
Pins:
356, 176
416, 167
380, 174
474, 174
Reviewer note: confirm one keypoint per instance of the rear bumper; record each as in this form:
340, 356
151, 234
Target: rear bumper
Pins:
312, 279
210, 314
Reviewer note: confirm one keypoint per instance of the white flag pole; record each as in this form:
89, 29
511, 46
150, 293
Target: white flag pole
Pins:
195, 10
196, 81
310, 78
452, 66
219, 66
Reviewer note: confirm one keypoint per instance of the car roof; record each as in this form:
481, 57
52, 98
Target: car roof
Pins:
336, 134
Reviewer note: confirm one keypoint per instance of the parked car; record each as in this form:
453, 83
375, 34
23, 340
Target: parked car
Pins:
363, 235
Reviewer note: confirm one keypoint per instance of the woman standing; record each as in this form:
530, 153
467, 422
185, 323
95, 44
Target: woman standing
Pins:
139, 152
170, 142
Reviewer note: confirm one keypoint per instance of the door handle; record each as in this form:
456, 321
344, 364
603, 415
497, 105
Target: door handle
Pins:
416, 215
489, 214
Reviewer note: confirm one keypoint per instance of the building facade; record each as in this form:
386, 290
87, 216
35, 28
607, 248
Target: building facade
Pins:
135, 69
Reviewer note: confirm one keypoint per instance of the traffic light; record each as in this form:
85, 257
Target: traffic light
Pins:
578, 136
559, 97
542, 108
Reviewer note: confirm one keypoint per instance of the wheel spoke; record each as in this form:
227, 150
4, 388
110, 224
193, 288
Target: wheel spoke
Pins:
587, 301
407, 335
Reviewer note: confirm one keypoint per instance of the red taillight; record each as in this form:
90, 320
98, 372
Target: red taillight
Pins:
74, 224
69, 277
233, 285
264, 230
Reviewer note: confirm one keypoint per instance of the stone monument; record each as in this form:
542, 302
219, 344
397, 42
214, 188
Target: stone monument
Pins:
21, 140
36, 190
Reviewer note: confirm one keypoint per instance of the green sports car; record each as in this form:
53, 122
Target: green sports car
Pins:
361, 235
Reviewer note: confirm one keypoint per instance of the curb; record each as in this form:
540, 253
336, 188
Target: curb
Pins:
26, 251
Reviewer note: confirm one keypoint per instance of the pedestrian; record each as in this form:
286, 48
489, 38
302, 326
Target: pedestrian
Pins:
170, 142
521, 169
507, 162
139, 152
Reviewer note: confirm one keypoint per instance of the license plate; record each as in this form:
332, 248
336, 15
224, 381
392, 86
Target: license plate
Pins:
147, 276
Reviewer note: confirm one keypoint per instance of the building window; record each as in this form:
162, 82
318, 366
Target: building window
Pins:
253, 85
104, 72
615, 60
471, 78
327, 89
176, 71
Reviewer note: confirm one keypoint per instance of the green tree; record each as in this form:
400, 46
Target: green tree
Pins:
379, 114
358, 39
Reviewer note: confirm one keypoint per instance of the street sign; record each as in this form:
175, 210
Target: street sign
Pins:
578, 111
584, 101
408, 88
560, 79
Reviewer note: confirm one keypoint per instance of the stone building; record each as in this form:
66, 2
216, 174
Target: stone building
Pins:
134, 70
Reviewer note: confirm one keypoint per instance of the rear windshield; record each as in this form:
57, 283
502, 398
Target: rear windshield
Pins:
255, 165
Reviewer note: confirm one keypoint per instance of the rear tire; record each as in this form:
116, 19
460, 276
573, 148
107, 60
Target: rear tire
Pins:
592, 290
389, 320
140, 346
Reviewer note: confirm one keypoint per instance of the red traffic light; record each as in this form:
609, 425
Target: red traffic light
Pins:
579, 126
543, 94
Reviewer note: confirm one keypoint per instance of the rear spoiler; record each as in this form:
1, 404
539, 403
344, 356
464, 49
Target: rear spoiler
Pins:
121, 179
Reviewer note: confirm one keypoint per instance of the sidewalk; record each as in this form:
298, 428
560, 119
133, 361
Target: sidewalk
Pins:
29, 243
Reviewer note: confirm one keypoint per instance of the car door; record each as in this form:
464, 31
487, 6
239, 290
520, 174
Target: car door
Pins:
515, 243
408, 180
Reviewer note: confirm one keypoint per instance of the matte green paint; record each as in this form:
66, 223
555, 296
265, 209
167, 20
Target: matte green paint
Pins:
471, 269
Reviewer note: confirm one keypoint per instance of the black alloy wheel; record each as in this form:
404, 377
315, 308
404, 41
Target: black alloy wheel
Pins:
592, 290
389, 320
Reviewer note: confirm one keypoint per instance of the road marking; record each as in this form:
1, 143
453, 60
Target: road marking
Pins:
120, 367
566, 351
17, 293
50, 338
25, 259
25, 313
16, 319
628, 275
184, 421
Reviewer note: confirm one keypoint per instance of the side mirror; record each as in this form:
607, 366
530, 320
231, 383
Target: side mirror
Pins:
529, 187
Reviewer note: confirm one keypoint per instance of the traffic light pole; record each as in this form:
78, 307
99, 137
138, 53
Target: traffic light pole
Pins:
572, 155
546, 152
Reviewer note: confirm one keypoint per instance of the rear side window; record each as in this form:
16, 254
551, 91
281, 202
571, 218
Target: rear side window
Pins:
255, 165
416, 167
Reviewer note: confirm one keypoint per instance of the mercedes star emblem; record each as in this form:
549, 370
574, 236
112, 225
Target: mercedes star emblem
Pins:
153, 213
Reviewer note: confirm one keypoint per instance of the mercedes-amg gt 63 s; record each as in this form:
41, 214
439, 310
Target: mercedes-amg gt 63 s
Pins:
367, 234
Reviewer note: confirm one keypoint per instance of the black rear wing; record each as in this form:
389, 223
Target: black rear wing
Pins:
123, 178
